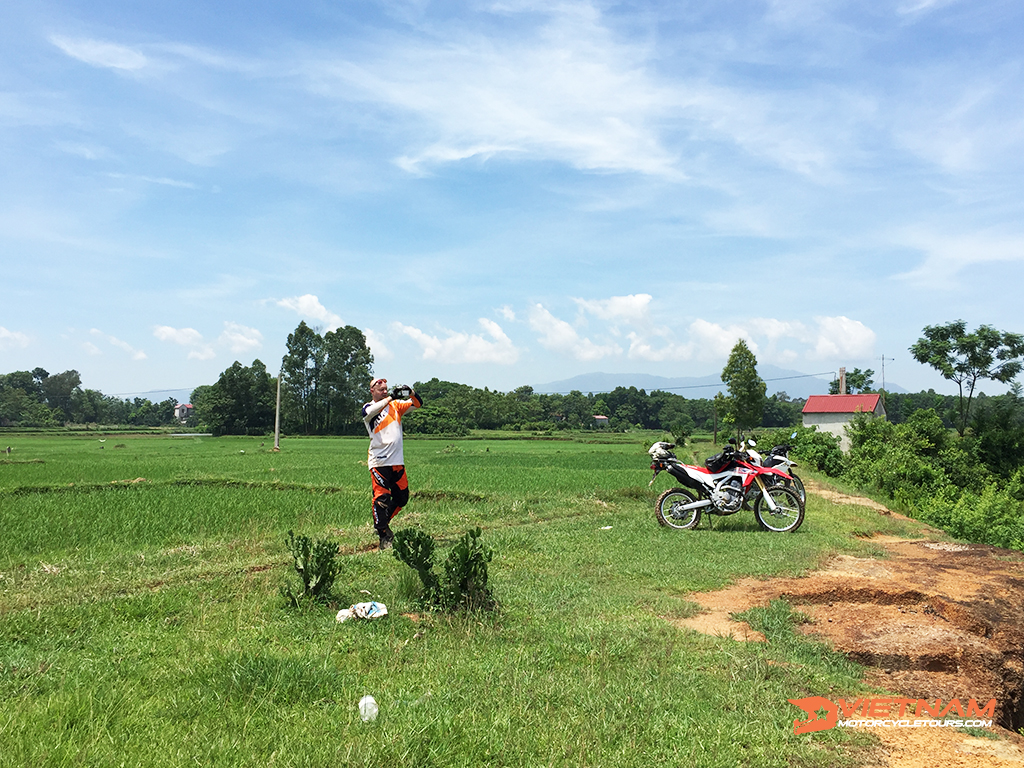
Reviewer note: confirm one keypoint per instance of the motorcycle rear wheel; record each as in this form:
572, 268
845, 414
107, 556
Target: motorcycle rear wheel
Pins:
667, 510
788, 514
798, 486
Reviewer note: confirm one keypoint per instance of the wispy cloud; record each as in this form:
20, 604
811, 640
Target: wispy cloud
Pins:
309, 306
572, 91
135, 354
567, 87
946, 255
912, 7
100, 53
460, 347
12, 339
154, 180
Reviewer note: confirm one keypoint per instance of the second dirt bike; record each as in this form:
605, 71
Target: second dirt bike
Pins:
777, 457
721, 487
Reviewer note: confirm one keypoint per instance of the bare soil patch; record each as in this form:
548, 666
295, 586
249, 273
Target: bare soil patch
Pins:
932, 619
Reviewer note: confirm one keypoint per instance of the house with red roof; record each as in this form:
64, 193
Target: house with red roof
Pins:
831, 413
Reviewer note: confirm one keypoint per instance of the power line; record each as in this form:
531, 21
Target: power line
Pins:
700, 386
152, 392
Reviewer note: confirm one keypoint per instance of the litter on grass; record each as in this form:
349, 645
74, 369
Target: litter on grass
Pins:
606, 528
368, 709
372, 610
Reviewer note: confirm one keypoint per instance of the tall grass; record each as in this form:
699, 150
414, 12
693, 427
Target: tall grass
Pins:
140, 623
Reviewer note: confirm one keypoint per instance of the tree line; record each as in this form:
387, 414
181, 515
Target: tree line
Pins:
37, 398
326, 377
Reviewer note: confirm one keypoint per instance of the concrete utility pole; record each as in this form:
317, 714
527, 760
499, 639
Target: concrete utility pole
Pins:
277, 413
842, 381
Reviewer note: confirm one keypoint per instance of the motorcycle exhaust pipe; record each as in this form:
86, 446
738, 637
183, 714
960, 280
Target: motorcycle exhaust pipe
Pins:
696, 504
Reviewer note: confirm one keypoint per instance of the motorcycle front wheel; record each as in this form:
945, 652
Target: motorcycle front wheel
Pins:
788, 513
668, 509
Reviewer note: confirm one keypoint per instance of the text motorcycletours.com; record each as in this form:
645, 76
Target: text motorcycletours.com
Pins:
891, 713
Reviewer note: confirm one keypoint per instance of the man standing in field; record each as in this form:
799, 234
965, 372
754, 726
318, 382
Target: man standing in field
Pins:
383, 419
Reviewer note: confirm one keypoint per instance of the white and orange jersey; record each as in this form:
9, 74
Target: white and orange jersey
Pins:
384, 425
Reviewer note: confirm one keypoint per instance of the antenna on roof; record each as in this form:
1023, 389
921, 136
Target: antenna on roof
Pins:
884, 358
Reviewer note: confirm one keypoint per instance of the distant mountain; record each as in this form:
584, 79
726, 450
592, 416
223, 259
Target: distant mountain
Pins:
158, 395
795, 384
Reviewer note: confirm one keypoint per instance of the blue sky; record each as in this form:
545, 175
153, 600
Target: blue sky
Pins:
506, 193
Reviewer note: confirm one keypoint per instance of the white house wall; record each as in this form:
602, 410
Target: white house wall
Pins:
833, 423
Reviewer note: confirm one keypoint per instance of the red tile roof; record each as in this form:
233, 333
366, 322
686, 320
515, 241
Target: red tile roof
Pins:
841, 404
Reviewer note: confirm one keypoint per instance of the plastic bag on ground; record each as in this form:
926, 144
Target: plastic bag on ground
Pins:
373, 610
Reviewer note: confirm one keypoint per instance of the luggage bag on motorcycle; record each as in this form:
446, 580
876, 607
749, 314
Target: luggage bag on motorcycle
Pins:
718, 462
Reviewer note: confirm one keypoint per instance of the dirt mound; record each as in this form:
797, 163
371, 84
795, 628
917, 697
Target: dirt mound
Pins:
931, 620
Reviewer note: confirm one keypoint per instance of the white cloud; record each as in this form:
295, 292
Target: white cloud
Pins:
309, 306
91, 348
631, 309
240, 339
507, 312
559, 336
840, 338
186, 337
460, 347
12, 339
100, 54
781, 342
136, 354
378, 348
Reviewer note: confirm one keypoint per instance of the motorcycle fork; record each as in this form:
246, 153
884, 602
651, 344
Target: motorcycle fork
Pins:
760, 484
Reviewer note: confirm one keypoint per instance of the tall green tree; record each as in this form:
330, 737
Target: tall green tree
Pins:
745, 402
59, 392
857, 382
346, 378
966, 358
241, 402
326, 378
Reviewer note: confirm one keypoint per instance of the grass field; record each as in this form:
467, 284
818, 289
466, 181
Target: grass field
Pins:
141, 622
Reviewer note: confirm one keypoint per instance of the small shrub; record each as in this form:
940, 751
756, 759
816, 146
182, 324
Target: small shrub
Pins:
415, 548
317, 567
463, 582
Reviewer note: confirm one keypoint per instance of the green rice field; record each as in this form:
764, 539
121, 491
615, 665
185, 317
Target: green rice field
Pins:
141, 621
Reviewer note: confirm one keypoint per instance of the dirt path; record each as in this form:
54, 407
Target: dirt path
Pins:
931, 620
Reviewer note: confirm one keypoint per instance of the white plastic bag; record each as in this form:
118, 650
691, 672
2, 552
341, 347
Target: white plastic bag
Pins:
372, 610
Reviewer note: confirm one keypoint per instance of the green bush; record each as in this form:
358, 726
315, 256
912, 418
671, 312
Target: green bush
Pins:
995, 517
315, 563
818, 449
463, 584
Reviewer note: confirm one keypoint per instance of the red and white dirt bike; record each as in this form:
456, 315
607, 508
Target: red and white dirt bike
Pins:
720, 487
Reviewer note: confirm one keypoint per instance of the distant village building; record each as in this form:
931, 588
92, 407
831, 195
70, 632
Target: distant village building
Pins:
182, 411
831, 413
600, 421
